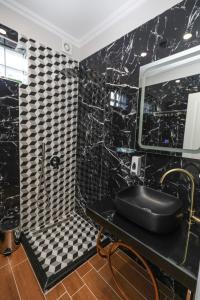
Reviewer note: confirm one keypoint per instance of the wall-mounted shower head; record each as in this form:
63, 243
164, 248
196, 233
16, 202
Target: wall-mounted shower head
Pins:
70, 72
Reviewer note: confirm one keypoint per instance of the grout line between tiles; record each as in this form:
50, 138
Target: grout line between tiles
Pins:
123, 277
137, 272
132, 267
4, 265
102, 266
45, 296
80, 277
24, 251
107, 284
19, 263
75, 271
60, 282
65, 293
88, 272
83, 264
110, 286
36, 279
78, 290
146, 278
129, 258
15, 280
129, 283
91, 292
68, 294
63, 286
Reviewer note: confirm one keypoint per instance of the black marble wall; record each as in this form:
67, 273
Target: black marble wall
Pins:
115, 116
90, 180
119, 64
9, 153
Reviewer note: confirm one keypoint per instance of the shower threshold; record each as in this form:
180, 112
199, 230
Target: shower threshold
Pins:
57, 250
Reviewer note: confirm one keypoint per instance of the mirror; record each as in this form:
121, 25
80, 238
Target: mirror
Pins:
170, 104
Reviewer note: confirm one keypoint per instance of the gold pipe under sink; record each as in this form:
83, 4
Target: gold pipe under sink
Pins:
192, 216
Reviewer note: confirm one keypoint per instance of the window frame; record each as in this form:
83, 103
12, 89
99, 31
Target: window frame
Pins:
23, 71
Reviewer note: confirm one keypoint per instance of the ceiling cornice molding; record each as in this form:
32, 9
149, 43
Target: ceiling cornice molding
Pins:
119, 14
116, 16
25, 12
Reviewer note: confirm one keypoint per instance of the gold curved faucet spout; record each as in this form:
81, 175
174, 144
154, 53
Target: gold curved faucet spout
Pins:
192, 216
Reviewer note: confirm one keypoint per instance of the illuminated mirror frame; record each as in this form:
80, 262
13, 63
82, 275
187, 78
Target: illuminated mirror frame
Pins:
185, 57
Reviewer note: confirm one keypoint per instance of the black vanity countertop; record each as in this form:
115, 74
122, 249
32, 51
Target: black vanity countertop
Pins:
177, 253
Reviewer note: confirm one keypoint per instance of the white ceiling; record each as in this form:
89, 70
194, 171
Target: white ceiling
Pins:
77, 19
88, 25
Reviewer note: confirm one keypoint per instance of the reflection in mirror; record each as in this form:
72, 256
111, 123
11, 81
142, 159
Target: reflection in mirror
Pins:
119, 99
121, 95
170, 104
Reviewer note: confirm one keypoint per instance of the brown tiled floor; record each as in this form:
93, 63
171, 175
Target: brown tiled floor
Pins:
90, 281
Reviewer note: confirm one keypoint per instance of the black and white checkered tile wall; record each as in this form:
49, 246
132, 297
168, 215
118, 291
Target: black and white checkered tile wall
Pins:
48, 117
56, 238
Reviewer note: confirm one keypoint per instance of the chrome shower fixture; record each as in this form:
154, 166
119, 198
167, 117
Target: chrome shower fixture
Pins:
55, 161
70, 72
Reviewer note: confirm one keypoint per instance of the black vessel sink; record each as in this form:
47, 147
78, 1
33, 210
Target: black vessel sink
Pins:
151, 209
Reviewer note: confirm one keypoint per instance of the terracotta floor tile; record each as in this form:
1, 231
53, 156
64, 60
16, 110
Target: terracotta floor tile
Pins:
92, 280
97, 261
27, 284
84, 294
3, 260
133, 263
72, 283
107, 246
134, 277
8, 289
99, 287
83, 269
65, 297
141, 270
17, 257
129, 290
55, 292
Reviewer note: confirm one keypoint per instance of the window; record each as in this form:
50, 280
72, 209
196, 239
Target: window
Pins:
13, 64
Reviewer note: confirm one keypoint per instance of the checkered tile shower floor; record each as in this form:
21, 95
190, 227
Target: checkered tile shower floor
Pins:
57, 250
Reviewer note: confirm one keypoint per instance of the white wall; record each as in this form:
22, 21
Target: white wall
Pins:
145, 11
25, 26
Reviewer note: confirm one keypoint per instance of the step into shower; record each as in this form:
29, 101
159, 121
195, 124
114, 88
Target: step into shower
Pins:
57, 250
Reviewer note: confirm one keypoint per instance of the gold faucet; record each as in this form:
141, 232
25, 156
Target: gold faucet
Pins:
192, 216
